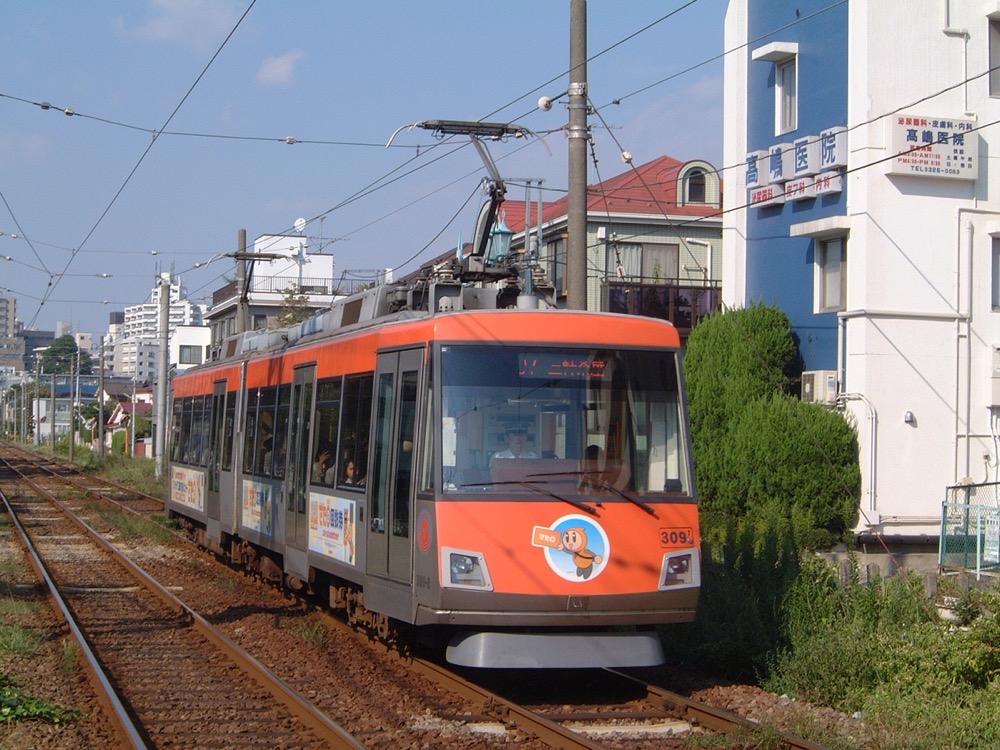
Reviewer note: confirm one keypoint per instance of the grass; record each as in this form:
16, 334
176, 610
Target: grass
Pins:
130, 526
16, 608
17, 640
70, 655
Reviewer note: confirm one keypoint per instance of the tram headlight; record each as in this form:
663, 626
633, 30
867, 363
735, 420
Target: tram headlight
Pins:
681, 569
466, 569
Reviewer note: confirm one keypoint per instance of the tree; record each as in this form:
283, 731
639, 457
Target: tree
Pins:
755, 444
294, 308
60, 358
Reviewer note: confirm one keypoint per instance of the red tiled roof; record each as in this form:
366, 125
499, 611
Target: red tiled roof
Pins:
647, 189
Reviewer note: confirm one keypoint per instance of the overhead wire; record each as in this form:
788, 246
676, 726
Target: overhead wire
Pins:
142, 157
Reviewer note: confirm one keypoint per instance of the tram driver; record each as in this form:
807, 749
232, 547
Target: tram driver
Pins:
516, 438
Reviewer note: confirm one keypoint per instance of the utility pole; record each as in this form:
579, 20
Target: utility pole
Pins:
37, 437
578, 135
163, 369
52, 417
242, 298
100, 403
74, 385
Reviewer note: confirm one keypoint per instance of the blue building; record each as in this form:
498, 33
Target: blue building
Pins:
862, 207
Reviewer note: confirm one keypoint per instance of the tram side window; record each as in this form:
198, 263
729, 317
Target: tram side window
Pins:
280, 438
263, 440
250, 431
189, 432
324, 454
228, 430
177, 435
355, 429
200, 430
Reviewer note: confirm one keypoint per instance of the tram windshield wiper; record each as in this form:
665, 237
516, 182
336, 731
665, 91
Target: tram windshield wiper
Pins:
532, 486
642, 504
604, 485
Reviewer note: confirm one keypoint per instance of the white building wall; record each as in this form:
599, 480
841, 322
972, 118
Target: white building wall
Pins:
734, 149
919, 330
919, 337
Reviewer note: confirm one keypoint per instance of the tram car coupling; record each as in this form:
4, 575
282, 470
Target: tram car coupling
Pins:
458, 457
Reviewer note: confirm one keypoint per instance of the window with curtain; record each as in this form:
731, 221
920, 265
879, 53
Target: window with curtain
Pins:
786, 84
832, 260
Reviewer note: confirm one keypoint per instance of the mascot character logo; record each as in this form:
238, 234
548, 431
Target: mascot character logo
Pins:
576, 547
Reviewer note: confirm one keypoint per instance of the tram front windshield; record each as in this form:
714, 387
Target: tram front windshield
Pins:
561, 420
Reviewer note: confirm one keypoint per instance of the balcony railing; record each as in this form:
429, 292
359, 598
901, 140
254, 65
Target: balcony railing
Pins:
682, 302
281, 285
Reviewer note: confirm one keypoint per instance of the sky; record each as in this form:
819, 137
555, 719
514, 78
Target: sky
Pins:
140, 136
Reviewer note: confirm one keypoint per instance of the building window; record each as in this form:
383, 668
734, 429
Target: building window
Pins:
994, 57
831, 264
698, 182
695, 192
786, 91
648, 262
189, 355
995, 275
556, 253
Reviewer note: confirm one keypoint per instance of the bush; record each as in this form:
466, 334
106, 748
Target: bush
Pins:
748, 567
754, 444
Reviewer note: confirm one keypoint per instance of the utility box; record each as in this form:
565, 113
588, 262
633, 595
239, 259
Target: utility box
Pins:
819, 387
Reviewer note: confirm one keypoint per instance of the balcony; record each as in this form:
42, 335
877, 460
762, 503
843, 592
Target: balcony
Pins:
682, 302
281, 284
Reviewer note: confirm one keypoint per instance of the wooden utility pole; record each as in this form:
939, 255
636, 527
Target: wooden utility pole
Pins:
242, 298
578, 135
163, 373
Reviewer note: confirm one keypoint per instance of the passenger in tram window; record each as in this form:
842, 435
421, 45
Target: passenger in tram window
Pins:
321, 465
516, 438
265, 455
350, 477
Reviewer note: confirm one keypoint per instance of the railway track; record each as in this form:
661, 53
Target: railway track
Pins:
402, 701
168, 677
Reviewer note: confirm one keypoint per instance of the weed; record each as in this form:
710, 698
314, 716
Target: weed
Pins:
226, 584
15, 607
16, 705
310, 632
70, 655
130, 526
17, 640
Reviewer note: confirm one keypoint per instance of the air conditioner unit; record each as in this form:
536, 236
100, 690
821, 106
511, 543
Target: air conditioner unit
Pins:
819, 387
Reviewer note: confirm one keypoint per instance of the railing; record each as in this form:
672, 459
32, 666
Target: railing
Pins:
970, 528
683, 302
281, 285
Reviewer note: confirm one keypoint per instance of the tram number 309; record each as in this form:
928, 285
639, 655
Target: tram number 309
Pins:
676, 537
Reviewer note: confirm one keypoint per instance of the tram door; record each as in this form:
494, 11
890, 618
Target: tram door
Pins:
216, 439
297, 475
391, 469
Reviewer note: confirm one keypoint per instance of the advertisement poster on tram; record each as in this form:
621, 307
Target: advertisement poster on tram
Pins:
332, 526
187, 487
258, 507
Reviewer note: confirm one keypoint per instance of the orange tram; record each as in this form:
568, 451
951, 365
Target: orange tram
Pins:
516, 483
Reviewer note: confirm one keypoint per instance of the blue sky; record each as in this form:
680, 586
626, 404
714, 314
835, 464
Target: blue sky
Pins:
90, 196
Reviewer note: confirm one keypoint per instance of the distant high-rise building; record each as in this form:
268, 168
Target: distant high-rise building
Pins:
11, 344
133, 337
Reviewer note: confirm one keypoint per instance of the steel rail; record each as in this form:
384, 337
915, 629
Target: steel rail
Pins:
311, 716
36, 459
708, 716
106, 694
545, 729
